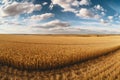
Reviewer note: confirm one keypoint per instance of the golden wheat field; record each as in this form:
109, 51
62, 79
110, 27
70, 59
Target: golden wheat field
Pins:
59, 57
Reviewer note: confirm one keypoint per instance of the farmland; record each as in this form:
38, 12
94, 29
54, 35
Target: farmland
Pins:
59, 57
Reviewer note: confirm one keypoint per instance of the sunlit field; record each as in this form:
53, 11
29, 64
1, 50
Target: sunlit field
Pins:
59, 57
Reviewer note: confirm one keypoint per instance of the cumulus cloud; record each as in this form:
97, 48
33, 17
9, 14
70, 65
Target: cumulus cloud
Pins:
16, 8
53, 24
44, 3
42, 16
69, 5
85, 13
103, 13
84, 2
75, 3
51, 6
98, 7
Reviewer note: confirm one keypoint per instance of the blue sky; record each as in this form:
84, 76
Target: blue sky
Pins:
59, 16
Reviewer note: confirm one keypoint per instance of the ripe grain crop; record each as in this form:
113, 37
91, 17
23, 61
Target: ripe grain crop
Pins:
106, 67
46, 52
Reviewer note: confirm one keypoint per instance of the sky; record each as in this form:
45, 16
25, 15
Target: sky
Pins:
59, 16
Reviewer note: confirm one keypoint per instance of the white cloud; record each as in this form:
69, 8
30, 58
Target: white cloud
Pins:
103, 21
71, 6
60, 27
103, 13
10, 21
98, 7
89, 14
5, 1
67, 5
16, 8
99, 10
36, 20
97, 16
110, 17
75, 3
84, 2
85, 13
42, 16
82, 29
53, 24
45, 3
51, 6
16, 30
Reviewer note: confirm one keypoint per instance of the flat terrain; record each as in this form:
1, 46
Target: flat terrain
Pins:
59, 57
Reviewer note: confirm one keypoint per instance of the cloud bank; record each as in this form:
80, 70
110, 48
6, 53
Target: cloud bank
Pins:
56, 16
